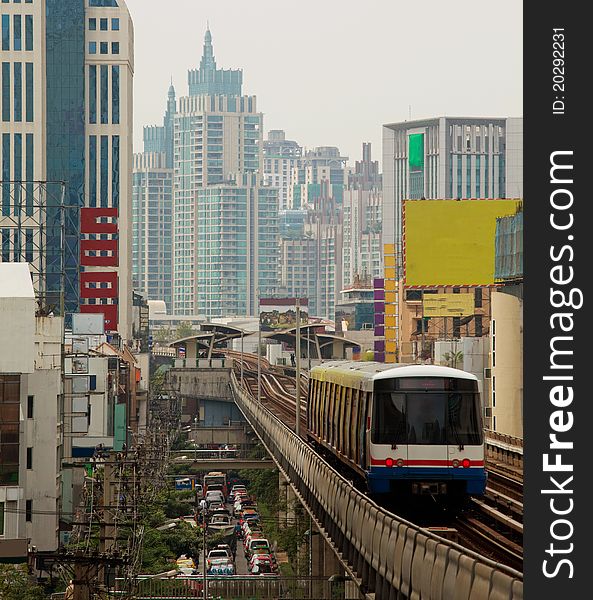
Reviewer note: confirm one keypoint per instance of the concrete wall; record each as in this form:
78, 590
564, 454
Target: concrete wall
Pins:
506, 356
219, 435
17, 324
42, 434
201, 383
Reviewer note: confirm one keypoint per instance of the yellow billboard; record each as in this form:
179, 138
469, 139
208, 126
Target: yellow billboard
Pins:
448, 305
451, 242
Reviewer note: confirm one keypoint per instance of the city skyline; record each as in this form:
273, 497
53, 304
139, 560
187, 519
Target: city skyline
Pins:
306, 60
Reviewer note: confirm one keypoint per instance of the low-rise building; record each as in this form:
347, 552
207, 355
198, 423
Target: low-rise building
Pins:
30, 418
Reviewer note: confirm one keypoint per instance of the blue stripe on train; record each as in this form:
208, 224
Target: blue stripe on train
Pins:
379, 477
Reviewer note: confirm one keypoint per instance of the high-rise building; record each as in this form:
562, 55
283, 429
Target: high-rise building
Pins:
217, 139
362, 222
152, 251
321, 164
449, 157
236, 248
362, 248
152, 246
280, 157
67, 70
311, 251
366, 175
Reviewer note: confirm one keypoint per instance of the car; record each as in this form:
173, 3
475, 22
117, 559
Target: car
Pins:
215, 505
218, 554
221, 566
226, 548
257, 546
263, 559
199, 490
214, 496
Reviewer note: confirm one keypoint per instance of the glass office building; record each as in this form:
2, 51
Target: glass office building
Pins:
66, 82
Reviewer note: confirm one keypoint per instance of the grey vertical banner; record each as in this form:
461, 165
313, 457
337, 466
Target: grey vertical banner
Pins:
558, 248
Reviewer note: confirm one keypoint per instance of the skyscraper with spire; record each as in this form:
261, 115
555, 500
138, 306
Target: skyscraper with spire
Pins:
222, 237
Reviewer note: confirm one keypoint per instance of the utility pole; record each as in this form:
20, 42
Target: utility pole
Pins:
204, 553
242, 332
297, 426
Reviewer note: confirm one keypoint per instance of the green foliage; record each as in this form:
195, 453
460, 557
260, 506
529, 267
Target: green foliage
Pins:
16, 584
453, 359
184, 330
156, 555
263, 483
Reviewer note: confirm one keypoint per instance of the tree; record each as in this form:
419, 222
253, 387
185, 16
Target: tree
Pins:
16, 584
453, 358
184, 330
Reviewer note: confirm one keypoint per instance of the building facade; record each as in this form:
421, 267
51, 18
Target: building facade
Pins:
449, 158
152, 252
67, 71
217, 137
236, 247
280, 157
30, 419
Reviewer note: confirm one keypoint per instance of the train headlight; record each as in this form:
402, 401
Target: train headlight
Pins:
466, 463
400, 462
389, 462
455, 463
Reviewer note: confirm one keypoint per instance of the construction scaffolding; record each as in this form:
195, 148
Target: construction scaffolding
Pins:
37, 227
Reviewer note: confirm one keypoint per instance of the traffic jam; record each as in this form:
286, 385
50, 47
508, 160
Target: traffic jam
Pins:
230, 515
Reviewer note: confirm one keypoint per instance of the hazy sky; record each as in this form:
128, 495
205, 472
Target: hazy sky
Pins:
331, 72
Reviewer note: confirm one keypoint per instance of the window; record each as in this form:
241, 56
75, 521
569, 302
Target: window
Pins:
478, 298
18, 33
29, 458
29, 32
9, 428
5, 32
30, 402
114, 47
115, 95
18, 91
104, 94
93, 24
6, 91
92, 94
115, 24
93, 171
103, 25
104, 47
115, 171
92, 47
1, 518
104, 171
29, 511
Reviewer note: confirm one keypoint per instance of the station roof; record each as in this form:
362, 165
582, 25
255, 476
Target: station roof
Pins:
211, 333
308, 332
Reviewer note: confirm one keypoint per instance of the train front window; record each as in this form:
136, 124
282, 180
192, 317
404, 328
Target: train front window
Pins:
426, 418
390, 419
464, 425
427, 411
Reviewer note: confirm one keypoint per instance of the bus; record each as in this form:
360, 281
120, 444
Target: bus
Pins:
216, 479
